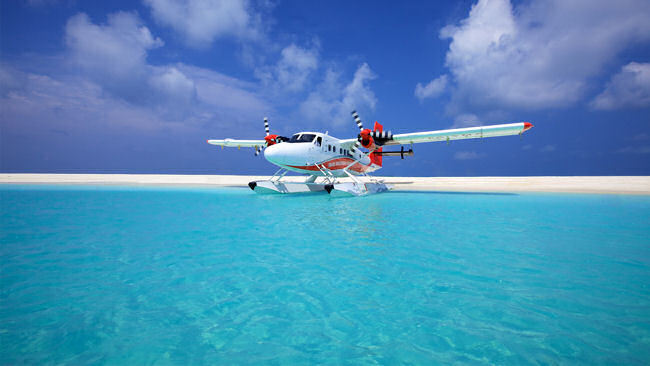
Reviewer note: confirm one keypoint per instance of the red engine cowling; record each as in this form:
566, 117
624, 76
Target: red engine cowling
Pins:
271, 140
366, 140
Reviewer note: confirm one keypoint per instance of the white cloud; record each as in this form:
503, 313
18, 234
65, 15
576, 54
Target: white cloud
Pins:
293, 70
117, 49
111, 80
543, 53
72, 102
547, 148
629, 88
358, 92
468, 155
466, 120
332, 102
200, 22
432, 90
172, 86
227, 96
114, 55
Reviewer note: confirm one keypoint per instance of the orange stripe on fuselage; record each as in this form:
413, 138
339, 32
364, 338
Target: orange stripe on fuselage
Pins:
335, 164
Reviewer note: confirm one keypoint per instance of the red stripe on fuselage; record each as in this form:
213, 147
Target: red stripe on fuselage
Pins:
335, 164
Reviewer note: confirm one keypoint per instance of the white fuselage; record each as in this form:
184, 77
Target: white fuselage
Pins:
314, 152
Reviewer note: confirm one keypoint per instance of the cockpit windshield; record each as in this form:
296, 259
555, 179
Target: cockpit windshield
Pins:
302, 137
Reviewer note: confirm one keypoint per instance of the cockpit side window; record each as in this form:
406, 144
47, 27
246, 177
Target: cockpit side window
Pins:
305, 137
319, 141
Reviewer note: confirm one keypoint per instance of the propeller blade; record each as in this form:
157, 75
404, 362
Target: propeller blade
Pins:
354, 148
257, 151
266, 125
355, 115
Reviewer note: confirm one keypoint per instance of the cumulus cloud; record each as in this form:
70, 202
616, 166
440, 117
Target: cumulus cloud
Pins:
62, 122
114, 55
468, 155
45, 101
629, 88
227, 98
172, 85
69, 103
200, 22
332, 101
432, 90
116, 51
466, 120
293, 70
541, 53
109, 68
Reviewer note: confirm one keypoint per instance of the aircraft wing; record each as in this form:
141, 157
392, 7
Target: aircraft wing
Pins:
460, 133
453, 134
237, 143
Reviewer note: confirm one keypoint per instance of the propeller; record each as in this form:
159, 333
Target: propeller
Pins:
269, 139
355, 115
371, 140
259, 149
364, 139
357, 144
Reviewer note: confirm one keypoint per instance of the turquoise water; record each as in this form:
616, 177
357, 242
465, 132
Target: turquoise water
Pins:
119, 275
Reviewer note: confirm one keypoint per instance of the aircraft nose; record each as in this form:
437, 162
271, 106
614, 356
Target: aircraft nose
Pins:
284, 153
273, 154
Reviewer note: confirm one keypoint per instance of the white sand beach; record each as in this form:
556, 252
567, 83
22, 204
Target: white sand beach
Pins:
639, 185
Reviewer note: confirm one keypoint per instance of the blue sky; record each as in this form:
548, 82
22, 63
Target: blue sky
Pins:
138, 86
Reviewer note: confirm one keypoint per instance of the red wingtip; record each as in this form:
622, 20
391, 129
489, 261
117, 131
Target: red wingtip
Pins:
527, 126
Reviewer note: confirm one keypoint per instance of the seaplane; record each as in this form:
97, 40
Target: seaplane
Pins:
319, 155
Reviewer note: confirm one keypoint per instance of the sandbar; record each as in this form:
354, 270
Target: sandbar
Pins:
636, 185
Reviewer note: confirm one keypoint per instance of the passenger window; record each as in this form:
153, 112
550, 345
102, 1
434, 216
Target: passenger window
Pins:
329, 147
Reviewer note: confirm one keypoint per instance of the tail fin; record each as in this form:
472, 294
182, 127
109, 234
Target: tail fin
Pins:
374, 158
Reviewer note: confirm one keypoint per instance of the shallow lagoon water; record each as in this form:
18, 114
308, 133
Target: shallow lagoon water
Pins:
132, 275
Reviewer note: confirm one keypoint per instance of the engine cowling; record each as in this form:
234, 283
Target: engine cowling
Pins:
274, 139
365, 137
373, 139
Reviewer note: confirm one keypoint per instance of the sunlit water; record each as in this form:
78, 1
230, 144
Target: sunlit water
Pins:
119, 275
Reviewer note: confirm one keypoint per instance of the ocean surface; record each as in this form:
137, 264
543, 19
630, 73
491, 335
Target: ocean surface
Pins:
179, 276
